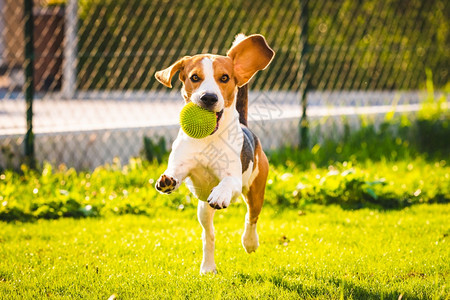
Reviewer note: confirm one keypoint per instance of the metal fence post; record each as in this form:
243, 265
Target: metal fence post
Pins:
70, 49
29, 84
304, 68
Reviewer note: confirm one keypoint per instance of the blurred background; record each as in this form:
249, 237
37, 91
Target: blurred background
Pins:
77, 82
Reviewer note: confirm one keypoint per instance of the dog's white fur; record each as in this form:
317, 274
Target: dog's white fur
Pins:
208, 181
216, 182
189, 156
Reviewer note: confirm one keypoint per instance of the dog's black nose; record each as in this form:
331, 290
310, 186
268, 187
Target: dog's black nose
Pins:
209, 98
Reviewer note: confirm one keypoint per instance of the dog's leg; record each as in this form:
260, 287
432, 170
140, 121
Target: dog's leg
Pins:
205, 215
176, 172
255, 199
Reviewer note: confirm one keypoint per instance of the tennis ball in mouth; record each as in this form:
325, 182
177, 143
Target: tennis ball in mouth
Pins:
196, 121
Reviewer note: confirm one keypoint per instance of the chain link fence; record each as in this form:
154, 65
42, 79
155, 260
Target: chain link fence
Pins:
94, 95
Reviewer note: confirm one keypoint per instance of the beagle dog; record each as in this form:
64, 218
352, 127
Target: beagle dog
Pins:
220, 167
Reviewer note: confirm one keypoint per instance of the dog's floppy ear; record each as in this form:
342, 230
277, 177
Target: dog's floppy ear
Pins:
165, 76
249, 54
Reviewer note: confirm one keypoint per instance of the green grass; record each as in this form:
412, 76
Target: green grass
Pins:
71, 234
402, 162
52, 194
322, 252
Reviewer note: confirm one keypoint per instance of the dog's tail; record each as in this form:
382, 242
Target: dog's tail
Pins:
242, 103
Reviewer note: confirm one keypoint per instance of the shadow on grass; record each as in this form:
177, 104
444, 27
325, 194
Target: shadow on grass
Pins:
325, 286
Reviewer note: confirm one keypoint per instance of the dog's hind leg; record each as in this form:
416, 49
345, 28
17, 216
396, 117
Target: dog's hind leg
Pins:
255, 199
205, 215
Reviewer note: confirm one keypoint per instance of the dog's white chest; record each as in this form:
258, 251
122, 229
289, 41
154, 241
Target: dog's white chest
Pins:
213, 158
201, 181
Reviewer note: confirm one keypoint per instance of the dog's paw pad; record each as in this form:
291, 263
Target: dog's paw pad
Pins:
166, 184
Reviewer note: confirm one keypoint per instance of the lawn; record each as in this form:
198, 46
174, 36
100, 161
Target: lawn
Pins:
343, 219
320, 252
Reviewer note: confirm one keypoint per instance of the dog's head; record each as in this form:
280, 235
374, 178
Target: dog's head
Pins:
211, 81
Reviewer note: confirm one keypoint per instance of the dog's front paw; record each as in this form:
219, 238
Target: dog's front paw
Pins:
166, 184
219, 198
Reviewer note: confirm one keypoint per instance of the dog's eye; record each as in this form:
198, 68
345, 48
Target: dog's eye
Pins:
195, 78
224, 78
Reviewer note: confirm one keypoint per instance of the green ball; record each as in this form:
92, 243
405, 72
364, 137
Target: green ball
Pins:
197, 122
